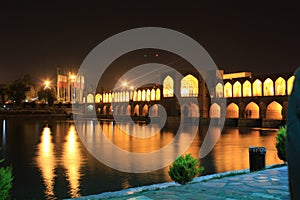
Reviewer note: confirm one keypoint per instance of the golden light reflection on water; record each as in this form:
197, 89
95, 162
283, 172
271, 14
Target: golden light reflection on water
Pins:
72, 160
46, 161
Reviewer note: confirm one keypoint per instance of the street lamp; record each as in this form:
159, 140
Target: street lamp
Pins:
47, 84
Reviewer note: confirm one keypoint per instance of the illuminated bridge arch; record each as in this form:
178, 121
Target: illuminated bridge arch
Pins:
257, 88
215, 111
290, 83
252, 111
280, 86
228, 90
268, 87
237, 89
168, 87
232, 111
274, 111
219, 90
247, 91
189, 86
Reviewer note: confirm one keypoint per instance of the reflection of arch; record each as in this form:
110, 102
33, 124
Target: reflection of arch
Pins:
136, 110
98, 98
157, 95
268, 87
110, 112
219, 90
215, 111
153, 111
247, 89
194, 110
90, 98
237, 89
145, 110
290, 83
232, 111
128, 110
117, 110
257, 89
280, 86
274, 111
251, 111
227, 90
168, 87
189, 86
152, 95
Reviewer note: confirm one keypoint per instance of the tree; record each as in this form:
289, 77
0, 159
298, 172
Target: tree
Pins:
47, 95
3, 93
17, 90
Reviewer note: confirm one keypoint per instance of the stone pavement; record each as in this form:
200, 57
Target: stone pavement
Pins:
266, 184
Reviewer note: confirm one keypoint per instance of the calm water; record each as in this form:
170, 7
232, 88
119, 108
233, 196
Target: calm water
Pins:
50, 162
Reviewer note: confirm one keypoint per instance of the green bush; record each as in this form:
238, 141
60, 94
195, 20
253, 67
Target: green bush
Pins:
184, 169
280, 143
5, 182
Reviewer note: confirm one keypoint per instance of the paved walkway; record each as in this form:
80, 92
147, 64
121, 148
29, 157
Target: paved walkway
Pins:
266, 184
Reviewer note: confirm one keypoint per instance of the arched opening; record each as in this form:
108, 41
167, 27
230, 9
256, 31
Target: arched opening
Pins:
290, 84
194, 110
251, 111
274, 111
215, 111
153, 112
139, 95
257, 88
157, 95
219, 90
90, 98
189, 86
268, 87
145, 110
110, 110
237, 89
116, 110
128, 110
168, 87
227, 90
109, 98
152, 95
135, 96
136, 110
104, 110
247, 89
98, 98
280, 86
127, 96
144, 95
148, 94
232, 111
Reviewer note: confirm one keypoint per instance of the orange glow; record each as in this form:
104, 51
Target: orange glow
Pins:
274, 111
254, 110
268, 87
72, 160
228, 90
215, 111
232, 111
168, 87
46, 161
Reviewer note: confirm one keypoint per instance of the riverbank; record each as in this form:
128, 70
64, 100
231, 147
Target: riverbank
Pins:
271, 183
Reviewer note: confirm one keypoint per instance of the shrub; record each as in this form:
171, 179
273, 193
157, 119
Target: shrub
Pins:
280, 143
184, 169
5, 182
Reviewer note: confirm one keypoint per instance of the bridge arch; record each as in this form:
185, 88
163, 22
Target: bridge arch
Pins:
237, 89
153, 111
98, 98
145, 110
274, 111
251, 111
232, 111
136, 110
290, 83
280, 86
189, 86
168, 87
228, 90
219, 90
257, 88
247, 92
215, 111
268, 87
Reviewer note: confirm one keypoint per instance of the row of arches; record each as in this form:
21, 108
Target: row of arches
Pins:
257, 88
273, 110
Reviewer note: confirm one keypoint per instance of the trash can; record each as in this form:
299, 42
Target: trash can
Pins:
257, 158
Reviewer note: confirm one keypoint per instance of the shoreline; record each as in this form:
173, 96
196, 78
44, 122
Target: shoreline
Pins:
158, 186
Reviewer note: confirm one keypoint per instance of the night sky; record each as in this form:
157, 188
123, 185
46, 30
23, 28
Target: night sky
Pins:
38, 37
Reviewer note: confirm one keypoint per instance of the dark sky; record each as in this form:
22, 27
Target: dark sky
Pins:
37, 37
